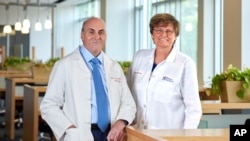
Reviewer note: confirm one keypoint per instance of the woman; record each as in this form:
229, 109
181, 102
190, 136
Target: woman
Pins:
164, 81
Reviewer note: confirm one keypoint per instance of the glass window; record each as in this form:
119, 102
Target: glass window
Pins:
87, 9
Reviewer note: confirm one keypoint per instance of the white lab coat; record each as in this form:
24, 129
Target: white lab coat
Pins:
68, 97
167, 98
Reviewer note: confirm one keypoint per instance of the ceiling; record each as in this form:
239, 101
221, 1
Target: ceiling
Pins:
46, 3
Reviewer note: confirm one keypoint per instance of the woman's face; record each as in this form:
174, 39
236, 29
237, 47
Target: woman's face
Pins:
164, 36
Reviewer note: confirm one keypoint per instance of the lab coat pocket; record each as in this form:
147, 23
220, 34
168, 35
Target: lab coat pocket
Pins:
164, 92
72, 134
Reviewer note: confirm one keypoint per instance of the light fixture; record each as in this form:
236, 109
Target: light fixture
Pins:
18, 24
26, 21
7, 28
48, 23
38, 25
25, 30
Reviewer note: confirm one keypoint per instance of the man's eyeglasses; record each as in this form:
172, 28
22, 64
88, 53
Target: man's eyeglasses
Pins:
159, 31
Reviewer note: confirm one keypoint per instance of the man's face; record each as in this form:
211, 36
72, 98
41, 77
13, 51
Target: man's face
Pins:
94, 36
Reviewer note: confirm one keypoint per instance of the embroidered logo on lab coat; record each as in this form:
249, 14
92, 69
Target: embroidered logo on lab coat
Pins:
167, 79
116, 79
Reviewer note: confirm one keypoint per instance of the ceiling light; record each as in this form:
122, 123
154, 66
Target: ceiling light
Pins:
7, 29
48, 24
38, 26
18, 26
26, 23
25, 30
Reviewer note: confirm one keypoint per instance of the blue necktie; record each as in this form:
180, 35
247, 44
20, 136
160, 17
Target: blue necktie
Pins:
101, 97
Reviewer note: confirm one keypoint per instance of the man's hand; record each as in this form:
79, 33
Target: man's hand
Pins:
117, 131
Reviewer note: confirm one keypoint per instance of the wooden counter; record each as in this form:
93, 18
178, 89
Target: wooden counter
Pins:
216, 107
220, 106
177, 134
31, 111
10, 73
11, 98
14, 74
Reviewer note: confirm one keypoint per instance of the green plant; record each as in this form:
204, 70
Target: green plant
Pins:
125, 65
15, 61
51, 62
48, 64
231, 74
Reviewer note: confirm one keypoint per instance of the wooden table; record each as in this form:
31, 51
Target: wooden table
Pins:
177, 134
16, 74
31, 111
11, 98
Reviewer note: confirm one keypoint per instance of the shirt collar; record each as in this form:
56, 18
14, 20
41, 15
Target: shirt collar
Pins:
88, 56
172, 55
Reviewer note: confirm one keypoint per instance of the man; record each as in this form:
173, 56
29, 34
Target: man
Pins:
71, 107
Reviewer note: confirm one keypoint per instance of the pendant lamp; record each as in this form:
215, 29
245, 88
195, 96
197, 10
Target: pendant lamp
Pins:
18, 24
26, 21
7, 28
48, 22
38, 25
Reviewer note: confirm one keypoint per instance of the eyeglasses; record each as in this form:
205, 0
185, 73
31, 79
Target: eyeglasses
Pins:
160, 32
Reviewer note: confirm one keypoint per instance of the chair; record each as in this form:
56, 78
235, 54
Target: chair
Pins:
18, 117
45, 132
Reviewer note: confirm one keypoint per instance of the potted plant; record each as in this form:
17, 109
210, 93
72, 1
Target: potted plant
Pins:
18, 64
206, 94
125, 65
41, 70
232, 83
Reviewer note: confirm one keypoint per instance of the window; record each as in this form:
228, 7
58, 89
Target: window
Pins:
87, 9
